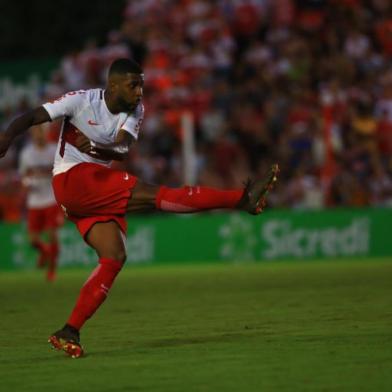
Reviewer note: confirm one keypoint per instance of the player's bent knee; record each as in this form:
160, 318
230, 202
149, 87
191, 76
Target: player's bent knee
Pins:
121, 256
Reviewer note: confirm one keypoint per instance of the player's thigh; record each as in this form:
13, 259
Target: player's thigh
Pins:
108, 240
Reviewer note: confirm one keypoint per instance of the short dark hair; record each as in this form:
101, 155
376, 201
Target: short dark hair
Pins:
123, 66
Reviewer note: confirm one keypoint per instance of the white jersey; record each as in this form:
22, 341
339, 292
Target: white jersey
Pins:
35, 166
86, 111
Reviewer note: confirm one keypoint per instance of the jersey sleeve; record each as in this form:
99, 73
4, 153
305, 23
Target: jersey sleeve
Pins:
67, 105
132, 123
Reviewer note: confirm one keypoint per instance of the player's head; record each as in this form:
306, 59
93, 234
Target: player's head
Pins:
125, 83
39, 135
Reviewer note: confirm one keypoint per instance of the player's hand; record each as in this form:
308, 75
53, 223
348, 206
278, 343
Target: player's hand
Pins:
82, 143
5, 142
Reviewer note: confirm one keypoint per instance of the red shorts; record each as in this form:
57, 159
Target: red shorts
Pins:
40, 219
91, 193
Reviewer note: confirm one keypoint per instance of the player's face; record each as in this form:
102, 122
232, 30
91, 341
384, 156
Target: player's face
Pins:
130, 91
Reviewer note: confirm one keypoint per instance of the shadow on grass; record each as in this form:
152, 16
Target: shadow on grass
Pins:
182, 341
141, 347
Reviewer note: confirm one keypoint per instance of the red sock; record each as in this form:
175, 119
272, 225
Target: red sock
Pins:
94, 291
44, 252
196, 198
53, 256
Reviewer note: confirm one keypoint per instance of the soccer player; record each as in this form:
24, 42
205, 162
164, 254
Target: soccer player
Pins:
43, 212
99, 126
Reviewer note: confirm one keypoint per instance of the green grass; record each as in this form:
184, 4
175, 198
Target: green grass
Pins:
322, 326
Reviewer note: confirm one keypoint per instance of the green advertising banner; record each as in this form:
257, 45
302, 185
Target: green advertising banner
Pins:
216, 237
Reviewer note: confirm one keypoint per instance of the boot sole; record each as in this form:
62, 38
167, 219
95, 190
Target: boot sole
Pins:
261, 201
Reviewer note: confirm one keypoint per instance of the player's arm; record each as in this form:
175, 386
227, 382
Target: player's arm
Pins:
116, 151
20, 125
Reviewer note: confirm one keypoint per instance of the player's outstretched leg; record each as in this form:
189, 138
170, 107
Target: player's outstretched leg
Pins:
188, 199
251, 199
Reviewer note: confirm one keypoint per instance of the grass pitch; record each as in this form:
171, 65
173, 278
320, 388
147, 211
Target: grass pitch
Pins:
322, 326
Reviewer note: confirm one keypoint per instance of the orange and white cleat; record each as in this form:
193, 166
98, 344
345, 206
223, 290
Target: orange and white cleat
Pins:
67, 339
255, 192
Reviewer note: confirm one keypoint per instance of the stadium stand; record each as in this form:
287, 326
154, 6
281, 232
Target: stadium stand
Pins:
265, 80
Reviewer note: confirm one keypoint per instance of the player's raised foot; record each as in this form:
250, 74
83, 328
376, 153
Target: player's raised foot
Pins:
68, 340
255, 193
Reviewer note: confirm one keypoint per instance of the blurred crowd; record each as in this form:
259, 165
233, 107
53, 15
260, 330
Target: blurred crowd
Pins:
306, 83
